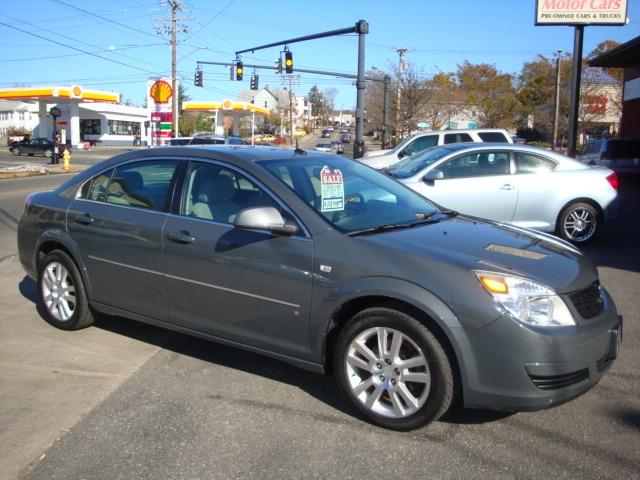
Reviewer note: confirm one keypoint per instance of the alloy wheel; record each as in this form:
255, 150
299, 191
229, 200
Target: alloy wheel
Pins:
58, 291
580, 224
387, 372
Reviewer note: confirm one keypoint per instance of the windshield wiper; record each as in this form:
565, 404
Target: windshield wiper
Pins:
387, 171
380, 228
429, 216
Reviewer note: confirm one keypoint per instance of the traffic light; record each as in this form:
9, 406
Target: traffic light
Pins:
254, 82
279, 65
239, 70
288, 62
197, 80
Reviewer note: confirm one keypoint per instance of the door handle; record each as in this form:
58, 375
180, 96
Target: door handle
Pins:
182, 237
507, 186
85, 219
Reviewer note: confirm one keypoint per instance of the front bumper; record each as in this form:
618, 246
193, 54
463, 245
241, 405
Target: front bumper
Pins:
514, 367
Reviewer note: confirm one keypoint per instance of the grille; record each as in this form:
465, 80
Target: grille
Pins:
554, 382
588, 301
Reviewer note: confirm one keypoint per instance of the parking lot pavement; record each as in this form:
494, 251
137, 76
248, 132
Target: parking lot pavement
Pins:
127, 400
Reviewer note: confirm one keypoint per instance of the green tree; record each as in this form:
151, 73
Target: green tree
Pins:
490, 92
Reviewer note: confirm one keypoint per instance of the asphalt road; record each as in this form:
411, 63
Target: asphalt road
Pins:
123, 400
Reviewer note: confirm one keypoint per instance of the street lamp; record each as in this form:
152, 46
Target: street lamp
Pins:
556, 109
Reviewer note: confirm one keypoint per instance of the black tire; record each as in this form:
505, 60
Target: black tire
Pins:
578, 223
48, 153
80, 313
439, 387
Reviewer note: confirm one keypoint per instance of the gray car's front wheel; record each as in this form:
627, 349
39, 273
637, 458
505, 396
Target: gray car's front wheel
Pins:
62, 292
393, 370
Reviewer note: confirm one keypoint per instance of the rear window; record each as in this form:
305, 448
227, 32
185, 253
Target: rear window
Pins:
592, 147
623, 149
207, 141
493, 137
457, 138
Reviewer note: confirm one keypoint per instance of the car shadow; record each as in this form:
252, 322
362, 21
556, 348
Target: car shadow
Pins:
321, 387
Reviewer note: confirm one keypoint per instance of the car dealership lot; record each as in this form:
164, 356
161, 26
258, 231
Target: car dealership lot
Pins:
140, 402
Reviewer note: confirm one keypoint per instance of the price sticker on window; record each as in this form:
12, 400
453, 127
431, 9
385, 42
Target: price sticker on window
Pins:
332, 190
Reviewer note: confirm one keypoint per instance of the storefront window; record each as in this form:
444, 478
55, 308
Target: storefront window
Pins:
120, 127
90, 127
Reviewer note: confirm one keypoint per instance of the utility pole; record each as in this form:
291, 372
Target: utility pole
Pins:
401, 52
576, 71
556, 110
175, 6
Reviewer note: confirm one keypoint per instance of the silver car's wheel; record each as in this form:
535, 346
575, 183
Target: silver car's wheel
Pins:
62, 292
58, 292
392, 369
388, 372
579, 222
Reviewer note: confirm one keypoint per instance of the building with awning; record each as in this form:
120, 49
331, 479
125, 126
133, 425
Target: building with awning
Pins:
86, 115
626, 56
227, 114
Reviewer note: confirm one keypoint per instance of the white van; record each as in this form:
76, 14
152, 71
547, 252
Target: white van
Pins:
421, 141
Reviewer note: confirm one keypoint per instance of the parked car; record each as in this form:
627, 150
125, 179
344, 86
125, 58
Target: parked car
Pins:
299, 132
268, 138
518, 184
337, 146
216, 140
36, 146
323, 147
324, 263
421, 141
345, 138
326, 133
622, 156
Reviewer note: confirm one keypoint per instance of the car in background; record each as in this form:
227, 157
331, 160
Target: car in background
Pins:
267, 138
326, 133
216, 140
421, 141
324, 263
323, 147
518, 140
345, 138
36, 146
299, 132
620, 155
517, 184
337, 146
173, 142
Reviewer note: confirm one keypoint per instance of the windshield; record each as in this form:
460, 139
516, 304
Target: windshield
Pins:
349, 195
413, 164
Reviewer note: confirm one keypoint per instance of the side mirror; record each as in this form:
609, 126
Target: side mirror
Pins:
402, 154
264, 218
433, 175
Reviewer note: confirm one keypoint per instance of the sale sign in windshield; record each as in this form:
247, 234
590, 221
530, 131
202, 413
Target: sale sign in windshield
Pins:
581, 12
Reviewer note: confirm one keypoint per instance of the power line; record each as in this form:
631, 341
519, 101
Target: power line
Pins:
50, 57
77, 49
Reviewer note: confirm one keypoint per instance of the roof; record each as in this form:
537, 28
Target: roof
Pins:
625, 55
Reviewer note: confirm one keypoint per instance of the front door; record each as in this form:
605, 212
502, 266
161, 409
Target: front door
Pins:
251, 287
117, 224
478, 184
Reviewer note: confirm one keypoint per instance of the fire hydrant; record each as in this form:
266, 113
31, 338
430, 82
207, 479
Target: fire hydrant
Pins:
66, 157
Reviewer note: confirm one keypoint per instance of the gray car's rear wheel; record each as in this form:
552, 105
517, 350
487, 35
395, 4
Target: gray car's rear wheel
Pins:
16, 151
62, 292
579, 222
48, 153
393, 370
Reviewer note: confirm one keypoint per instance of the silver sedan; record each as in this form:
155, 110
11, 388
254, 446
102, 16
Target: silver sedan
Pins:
517, 184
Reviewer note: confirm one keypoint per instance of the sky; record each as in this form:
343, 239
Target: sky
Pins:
45, 42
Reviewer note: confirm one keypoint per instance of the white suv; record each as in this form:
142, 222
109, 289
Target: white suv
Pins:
421, 141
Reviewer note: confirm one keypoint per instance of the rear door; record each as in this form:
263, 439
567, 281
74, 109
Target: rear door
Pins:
117, 224
476, 183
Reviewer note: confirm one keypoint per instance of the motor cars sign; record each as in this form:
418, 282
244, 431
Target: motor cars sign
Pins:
581, 12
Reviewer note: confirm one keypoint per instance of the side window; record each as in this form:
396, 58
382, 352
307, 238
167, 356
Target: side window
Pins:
420, 144
213, 192
96, 188
493, 137
142, 184
529, 163
477, 165
457, 138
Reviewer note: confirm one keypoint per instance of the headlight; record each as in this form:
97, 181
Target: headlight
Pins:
527, 301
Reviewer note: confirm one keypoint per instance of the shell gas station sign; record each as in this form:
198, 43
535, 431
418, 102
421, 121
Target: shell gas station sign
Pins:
159, 92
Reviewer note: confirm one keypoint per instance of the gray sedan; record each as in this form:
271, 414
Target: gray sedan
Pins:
326, 264
517, 184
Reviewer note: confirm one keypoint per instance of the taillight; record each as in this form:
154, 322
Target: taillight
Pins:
613, 180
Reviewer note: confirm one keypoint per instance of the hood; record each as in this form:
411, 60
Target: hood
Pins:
380, 161
375, 153
475, 244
